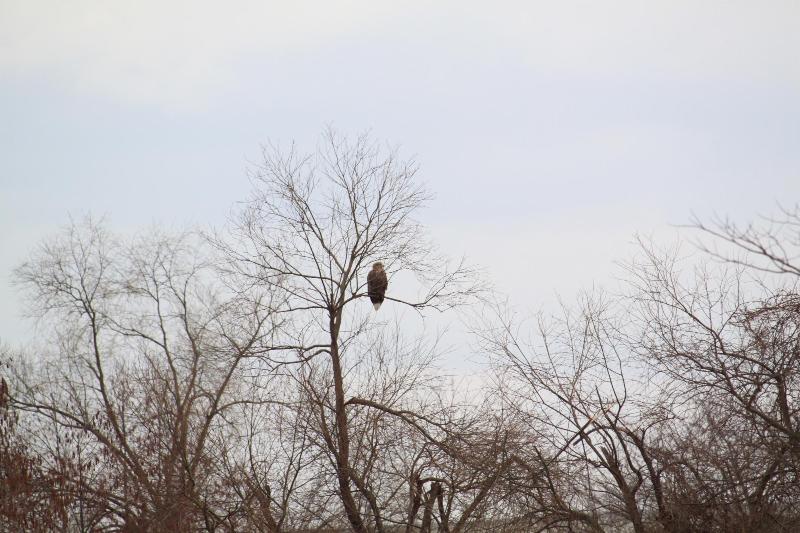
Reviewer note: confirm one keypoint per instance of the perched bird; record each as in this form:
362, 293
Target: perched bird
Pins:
376, 285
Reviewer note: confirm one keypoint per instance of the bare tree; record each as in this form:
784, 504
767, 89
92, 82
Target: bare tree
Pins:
312, 228
672, 409
145, 360
573, 387
726, 336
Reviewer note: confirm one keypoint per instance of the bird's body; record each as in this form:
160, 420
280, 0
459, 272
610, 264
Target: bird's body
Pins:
377, 282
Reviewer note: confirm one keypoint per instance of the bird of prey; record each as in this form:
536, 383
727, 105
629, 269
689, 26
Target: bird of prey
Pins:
376, 285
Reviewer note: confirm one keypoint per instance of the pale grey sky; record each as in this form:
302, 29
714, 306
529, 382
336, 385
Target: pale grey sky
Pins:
550, 132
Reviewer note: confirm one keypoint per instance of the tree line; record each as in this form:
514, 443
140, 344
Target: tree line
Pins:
236, 380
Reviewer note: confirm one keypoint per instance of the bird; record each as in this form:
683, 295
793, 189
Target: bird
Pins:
377, 284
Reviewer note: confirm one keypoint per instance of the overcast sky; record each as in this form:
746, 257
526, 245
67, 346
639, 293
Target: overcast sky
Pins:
550, 132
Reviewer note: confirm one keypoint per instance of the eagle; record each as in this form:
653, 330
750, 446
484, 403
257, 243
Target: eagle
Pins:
376, 285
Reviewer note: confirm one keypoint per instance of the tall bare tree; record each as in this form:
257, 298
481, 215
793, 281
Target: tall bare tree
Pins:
314, 225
